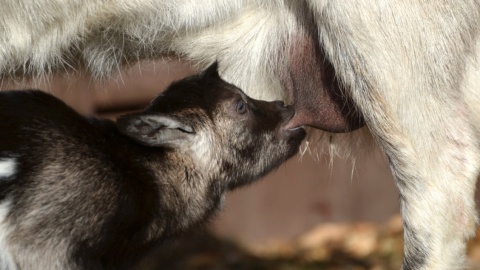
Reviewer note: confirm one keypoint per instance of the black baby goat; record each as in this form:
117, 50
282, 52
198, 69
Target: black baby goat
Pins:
87, 193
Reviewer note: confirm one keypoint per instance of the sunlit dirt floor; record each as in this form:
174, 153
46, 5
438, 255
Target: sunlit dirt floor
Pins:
328, 246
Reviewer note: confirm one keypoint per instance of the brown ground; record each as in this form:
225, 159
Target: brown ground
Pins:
355, 246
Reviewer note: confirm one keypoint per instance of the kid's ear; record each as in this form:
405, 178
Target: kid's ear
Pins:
211, 71
155, 130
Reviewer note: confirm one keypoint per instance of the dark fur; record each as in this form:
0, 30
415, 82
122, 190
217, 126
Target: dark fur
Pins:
88, 193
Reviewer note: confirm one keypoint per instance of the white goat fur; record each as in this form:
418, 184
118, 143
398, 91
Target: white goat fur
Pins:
411, 67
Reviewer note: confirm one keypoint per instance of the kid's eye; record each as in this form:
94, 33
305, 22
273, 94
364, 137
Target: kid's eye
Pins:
241, 107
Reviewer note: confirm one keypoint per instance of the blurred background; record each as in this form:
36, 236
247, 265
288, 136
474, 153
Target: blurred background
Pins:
311, 213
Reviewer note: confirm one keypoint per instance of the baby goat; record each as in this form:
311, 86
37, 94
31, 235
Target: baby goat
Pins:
86, 193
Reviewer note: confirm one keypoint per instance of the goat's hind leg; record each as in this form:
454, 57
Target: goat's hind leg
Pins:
435, 164
412, 101
437, 202
435, 160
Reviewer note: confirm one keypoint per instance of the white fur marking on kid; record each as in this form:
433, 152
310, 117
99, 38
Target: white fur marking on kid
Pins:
7, 167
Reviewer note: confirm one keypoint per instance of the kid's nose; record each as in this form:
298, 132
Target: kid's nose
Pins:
280, 104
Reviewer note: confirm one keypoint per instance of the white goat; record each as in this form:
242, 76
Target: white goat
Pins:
408, 70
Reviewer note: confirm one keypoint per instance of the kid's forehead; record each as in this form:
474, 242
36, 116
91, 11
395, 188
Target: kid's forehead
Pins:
228, 91
191, 95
